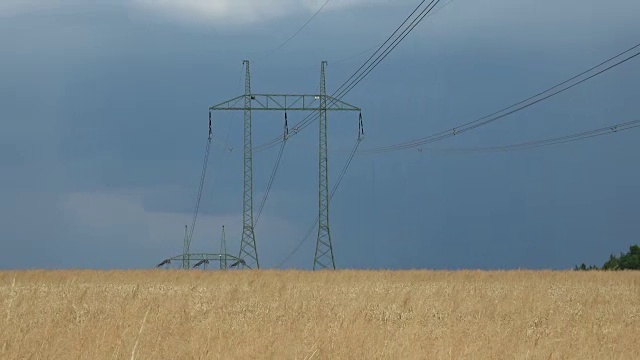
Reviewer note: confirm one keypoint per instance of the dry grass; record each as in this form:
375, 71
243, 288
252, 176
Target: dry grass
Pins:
324, 315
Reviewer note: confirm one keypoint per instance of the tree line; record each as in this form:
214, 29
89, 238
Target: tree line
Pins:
628, 261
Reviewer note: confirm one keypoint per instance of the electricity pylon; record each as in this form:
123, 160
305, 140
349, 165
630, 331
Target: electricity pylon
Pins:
324, 249
283, 102
248, 250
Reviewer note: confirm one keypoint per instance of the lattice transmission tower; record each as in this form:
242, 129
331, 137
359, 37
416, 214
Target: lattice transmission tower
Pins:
322, 103
248, 250
324, 248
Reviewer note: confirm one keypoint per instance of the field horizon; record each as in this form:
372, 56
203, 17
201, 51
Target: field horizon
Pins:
297, 314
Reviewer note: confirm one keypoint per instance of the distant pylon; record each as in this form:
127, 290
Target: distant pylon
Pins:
324, 248
248, 251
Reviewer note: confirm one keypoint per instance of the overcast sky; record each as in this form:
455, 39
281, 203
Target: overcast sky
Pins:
104, 111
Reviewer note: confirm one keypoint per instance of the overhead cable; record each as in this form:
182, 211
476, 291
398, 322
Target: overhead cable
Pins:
344, 59
511, 109
295, 33
360, 74
273, 174
333, 192
607, 130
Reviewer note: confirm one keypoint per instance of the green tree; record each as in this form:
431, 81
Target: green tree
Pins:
628, 261
584, 267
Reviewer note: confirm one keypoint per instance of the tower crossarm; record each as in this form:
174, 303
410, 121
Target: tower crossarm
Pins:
285, 102
206, 256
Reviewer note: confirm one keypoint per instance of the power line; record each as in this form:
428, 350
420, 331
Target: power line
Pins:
491, 117
386, 41
298, 246
538, 143
607, 130
275, 169
270, 183
355, 81
521, 105
295, 33
333, 191
357, 77
226, 148
474, 124
205, 165
201, 185
305, 122
377, 45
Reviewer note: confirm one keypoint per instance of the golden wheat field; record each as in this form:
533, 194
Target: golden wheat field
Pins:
323, 315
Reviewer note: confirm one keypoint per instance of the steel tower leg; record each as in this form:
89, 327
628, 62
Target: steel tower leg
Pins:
185, 250
248, 250
324, 249
223, 251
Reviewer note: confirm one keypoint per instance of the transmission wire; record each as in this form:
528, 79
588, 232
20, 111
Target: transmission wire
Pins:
607, 130
204, 171
270, 184
343, 93
456, 130
381, 57
491, 118
372, 66
295, 33
199, 196
387, 51
386, 41
308, 120
333, 191
377, 45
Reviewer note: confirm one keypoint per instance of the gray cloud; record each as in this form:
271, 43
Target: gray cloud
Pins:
216, 13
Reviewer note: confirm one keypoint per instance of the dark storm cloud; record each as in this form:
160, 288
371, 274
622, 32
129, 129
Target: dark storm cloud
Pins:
104, 112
